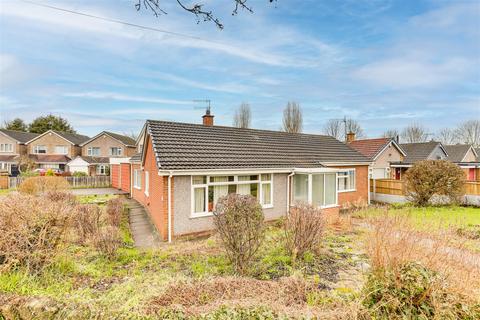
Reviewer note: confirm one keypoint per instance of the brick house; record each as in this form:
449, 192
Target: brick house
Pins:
381, 152
12, 146
54, 149
184, 169
97, 152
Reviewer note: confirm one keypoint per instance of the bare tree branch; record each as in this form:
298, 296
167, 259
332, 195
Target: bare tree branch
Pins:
468, 132
414, 133
446, 136
243, 116
292, 118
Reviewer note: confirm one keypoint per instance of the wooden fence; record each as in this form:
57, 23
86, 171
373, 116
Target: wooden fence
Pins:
75, 182
397, 187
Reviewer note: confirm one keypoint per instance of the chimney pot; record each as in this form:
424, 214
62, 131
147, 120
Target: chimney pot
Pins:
208, 118
350, 137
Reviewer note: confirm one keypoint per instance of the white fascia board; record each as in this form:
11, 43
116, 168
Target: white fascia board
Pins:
119, 160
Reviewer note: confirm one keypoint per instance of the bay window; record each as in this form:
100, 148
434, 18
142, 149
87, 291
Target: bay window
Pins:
206, 190
318, 189
346, 180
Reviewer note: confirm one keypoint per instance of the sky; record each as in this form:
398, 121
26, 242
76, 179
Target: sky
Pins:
384, 63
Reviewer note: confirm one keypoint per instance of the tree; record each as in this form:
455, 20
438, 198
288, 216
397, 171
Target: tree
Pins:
50, 122
391, 133
468, 132
446, 136
16, 124
336, 128
196, 9
25, 164
292, 118
243, 116
434, 177
414, 133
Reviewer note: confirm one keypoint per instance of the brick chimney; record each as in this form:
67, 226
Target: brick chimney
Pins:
208, 118
350, 137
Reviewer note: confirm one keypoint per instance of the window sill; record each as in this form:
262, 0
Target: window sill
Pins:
267, 206
351, 190
138, 188
330, 206
201, 215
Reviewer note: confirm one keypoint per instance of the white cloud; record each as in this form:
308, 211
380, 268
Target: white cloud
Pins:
124, 97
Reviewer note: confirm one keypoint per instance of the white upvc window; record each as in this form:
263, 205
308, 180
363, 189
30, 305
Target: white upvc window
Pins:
61, 149
147, 184
102, 169
137, 179
318, 189
346, 180
93, 151
6, 147
206, 190
39, 149
115, 151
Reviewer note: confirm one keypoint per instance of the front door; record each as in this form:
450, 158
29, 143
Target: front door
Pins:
398, 173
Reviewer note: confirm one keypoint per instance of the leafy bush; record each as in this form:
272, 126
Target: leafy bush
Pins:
31, 231
50, 173
79, 174
107, 240
303, 229
114, 210
434, 177
239, 222
39, 185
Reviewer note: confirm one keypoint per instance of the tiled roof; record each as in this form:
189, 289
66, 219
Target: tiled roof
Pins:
95, 160
457, 152
137, 157
185, 146
418, 151
20, 136
369, 147
75, 138
478, 153
9, 158
124, 139
47, 158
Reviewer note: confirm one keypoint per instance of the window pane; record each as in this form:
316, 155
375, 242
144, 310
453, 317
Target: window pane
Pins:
199, 179
215, 193
317, 190
266, 193
352, 179
247, 178
330, 189
219, 179
199, 200
342, 183
248, 189
266, 177
300, 182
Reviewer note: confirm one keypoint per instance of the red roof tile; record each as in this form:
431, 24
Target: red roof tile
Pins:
369, 147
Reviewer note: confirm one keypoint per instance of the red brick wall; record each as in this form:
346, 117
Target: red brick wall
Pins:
115, 172
361, 192
156, 201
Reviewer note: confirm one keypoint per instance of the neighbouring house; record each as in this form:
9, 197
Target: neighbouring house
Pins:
184, 169
415, 152
466, 157
381, 152
54, 149
97, 152
12, 146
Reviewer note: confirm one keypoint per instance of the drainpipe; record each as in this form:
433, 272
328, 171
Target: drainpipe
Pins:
169, 204
288, 190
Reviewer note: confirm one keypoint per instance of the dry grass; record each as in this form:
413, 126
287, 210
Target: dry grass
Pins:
114, 211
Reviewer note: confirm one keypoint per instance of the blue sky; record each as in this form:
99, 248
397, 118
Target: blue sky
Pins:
383, 63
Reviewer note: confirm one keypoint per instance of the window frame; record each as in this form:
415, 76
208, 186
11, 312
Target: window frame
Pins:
347, 177
99, 172
90, 153
115, 154
147, 184
137, 179
3, 147
61, 146
235, 181
310, 189
36, 148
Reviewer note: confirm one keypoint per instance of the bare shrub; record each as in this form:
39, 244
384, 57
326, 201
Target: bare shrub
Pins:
60, 196
419, 275
107, 240
114, 211
303, 229
434, 177
31, 230
87, 221
39, 185
239, 222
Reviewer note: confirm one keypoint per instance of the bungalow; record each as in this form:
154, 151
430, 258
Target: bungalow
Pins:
415, 152
184, 169
97, 152
466, 157
12, 146
381, 152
